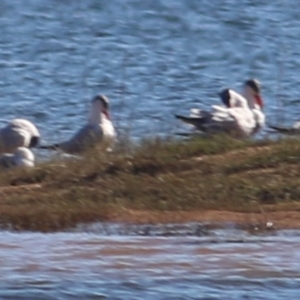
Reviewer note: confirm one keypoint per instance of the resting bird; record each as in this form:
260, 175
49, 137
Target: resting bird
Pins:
22, 157
18, 133
240, 116
98, 130
294, 130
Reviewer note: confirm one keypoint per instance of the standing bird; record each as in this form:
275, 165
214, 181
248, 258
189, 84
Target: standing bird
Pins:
22, 157
18, 133
241, 116
98, 130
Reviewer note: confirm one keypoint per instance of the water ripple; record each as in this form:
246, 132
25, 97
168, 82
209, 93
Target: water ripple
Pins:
90, 265
150, 58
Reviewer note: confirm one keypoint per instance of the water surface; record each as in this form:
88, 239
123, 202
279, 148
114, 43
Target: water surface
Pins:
170, 262
152, 58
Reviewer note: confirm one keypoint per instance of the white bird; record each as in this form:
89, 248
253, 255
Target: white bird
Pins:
294, 130
98, 130
18, 133
241, 116
22, 157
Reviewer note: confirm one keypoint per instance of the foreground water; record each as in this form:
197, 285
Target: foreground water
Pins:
152, 58
150, 262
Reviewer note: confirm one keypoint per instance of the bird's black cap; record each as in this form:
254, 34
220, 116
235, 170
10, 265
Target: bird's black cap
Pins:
254, 84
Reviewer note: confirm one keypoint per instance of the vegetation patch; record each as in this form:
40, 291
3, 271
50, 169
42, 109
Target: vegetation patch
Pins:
157, 176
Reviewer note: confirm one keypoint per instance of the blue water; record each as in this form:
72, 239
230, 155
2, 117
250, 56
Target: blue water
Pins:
152, 58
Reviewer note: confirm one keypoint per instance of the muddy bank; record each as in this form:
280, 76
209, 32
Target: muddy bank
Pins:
260, 221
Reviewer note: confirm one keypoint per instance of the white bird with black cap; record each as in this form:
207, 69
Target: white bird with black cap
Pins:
241, 116
98, 130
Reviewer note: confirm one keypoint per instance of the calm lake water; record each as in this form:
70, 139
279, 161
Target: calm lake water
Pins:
171, 262
153, 59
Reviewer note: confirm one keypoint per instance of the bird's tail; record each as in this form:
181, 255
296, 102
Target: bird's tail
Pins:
197, 122
283, 129
49, 147
34, 141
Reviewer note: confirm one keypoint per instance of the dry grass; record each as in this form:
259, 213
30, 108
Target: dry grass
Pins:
158, 176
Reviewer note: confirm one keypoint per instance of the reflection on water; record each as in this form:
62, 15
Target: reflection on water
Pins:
92, 264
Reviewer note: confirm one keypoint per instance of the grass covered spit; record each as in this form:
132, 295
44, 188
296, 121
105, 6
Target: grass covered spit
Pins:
165, 178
